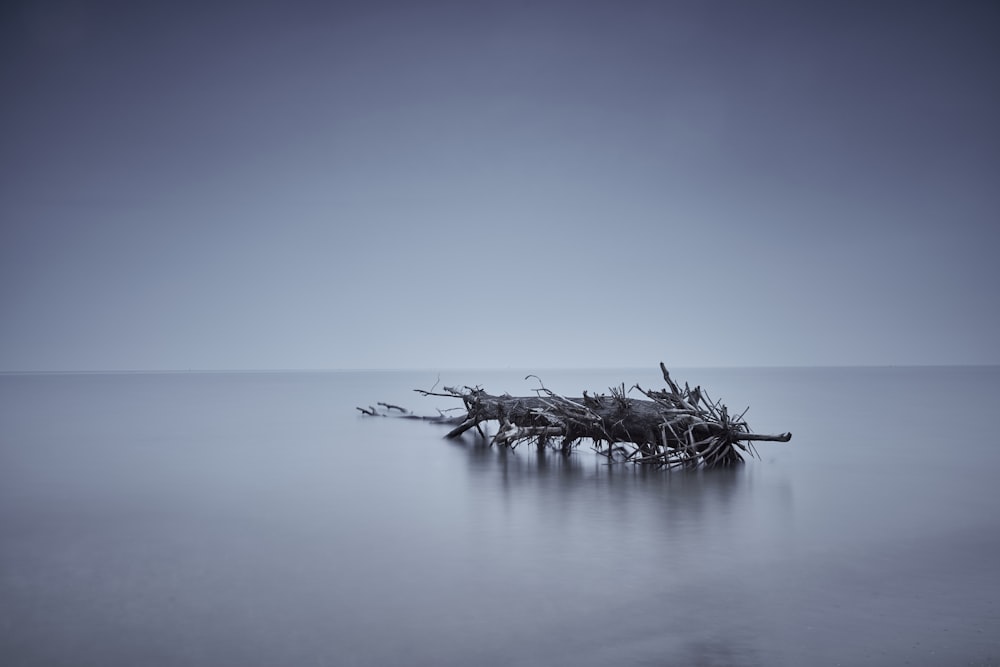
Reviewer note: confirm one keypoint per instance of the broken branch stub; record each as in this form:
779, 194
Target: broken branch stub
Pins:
673, 427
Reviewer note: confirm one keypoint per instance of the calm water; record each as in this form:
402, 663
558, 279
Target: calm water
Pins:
258, 519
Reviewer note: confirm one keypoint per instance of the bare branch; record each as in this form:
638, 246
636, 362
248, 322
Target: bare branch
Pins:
672, 428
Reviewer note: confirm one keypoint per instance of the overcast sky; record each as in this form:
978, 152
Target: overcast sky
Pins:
492, 184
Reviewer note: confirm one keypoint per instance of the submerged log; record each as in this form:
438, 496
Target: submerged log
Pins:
673, 427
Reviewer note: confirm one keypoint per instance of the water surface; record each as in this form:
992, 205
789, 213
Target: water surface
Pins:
258, 519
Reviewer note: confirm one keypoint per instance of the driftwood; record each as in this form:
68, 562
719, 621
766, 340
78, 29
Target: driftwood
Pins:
673, 427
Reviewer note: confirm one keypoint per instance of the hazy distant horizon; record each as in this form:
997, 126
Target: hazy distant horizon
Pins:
458, 185
525, 369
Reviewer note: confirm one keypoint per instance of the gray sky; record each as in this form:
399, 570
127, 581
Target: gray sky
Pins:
480, 184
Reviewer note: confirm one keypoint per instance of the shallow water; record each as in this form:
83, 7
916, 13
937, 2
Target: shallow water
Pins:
258, 519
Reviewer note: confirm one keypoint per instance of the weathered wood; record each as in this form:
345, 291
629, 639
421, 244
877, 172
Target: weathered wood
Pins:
672, 427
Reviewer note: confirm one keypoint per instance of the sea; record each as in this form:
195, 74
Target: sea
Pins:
261, 519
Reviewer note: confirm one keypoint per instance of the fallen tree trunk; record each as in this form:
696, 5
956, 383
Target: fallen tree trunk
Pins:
672, 427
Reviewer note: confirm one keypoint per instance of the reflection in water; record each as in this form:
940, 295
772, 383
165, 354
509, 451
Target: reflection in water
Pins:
551, 473
661, 552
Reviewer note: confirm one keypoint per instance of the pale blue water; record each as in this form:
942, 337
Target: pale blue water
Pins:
258, 519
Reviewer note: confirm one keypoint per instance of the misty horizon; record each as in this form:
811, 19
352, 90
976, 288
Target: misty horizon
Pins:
468, 369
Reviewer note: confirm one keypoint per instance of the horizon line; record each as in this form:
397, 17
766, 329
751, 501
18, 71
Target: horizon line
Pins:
221, 371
